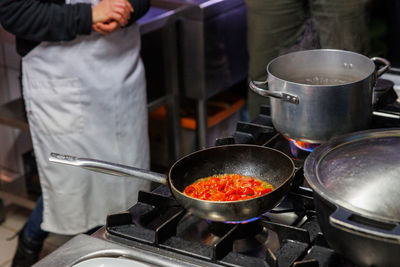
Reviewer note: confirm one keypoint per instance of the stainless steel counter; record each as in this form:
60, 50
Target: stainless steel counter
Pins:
84, 247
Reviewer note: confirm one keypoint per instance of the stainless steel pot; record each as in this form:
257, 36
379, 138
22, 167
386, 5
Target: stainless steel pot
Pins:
320, 94
356, 181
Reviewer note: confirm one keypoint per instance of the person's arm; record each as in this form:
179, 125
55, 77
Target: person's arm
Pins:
140, 8
43, 21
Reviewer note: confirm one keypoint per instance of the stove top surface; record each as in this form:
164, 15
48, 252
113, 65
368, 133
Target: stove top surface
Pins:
158, 229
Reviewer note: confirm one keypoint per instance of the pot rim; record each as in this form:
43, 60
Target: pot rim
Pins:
373, 71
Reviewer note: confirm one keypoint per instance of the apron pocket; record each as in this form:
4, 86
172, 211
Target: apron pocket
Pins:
55, 106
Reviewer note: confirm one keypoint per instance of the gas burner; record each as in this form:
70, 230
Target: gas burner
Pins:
243, 230
300, 149
252, 239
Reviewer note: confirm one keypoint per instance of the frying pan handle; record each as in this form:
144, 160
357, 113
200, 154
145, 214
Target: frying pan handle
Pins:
275, 94
108, 168
343, 218
384, 62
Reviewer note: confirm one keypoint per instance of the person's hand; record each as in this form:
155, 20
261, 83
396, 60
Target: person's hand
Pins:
112, 10
106, 28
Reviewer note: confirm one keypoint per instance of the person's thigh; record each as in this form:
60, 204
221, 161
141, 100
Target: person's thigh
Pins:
342, 24
273, 27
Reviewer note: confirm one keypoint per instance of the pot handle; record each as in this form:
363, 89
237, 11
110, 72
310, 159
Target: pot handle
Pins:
108, 168
384, 62
343, 218
275, 94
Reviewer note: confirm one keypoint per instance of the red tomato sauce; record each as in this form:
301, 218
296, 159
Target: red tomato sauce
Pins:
228, 187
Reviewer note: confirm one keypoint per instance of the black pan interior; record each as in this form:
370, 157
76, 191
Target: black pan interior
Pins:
256, 161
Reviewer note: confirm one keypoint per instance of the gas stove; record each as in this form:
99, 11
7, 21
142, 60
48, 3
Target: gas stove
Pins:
288, 235
158, 231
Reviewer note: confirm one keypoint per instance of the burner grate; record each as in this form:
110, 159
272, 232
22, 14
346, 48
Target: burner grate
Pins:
163, 226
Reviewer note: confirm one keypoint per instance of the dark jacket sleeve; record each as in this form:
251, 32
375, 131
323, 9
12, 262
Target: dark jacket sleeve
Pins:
140, 9
40, 20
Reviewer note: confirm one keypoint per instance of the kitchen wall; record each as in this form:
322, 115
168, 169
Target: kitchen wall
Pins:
13, 142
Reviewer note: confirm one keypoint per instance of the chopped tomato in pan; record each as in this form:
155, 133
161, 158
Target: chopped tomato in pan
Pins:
228, 187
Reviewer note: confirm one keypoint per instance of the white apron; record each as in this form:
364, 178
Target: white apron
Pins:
87, 98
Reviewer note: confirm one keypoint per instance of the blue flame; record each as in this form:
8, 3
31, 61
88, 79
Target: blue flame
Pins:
238, 222
243, 222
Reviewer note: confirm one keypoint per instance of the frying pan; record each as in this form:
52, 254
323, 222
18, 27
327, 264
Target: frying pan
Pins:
263, 163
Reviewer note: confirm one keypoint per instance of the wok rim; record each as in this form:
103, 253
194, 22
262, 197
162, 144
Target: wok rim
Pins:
314, 159
287, 180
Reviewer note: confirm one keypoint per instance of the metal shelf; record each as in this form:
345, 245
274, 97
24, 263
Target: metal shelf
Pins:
12, 185
162, 19
13, 114
13, 188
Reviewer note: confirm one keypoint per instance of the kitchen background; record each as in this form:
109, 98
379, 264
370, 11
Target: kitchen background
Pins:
211, 99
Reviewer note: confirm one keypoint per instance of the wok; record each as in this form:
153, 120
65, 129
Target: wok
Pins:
356, 180
264, 163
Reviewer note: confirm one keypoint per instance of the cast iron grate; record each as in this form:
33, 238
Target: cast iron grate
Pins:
154, 222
